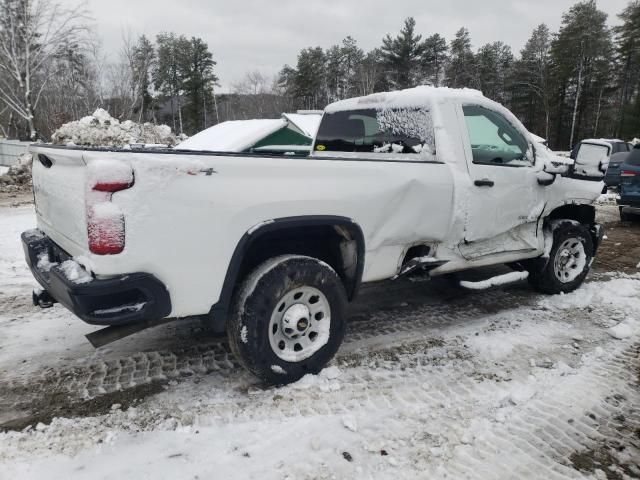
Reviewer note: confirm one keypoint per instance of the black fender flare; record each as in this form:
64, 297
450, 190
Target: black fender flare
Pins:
219, 311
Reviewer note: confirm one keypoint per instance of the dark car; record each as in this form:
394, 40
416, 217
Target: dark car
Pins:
630, 185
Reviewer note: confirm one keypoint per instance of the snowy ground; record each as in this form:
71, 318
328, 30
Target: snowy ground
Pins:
433, 381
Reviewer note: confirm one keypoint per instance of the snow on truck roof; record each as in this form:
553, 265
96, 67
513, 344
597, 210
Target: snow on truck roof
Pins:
403, 98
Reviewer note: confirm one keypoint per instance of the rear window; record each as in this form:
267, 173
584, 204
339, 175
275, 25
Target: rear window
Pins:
619, 147
389, 130
634, 156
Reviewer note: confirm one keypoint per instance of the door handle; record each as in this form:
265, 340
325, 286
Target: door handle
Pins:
485, 182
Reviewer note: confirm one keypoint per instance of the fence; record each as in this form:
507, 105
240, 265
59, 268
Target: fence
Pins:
10, 150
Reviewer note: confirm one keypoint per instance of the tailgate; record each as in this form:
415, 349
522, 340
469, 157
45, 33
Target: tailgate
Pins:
59, 189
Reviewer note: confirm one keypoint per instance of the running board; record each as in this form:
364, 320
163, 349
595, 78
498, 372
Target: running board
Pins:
108, 335
423, 263
504, 279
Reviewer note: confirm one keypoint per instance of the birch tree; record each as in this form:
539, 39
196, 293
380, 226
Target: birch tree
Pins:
32, 34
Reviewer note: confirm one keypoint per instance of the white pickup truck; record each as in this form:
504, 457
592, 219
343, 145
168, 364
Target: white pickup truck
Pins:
272, 248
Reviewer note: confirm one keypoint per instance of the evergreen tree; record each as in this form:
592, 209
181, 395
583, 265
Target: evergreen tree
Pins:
580, 55
198, 81
628, 57
434, 59
310, 79
402, 56
169, 76
461, 71
531, 92
142, 65
495, 62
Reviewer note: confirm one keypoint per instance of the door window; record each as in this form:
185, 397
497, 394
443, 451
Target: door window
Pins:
494, 140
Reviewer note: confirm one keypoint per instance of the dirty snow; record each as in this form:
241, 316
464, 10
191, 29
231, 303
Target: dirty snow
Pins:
498, 384
102, 129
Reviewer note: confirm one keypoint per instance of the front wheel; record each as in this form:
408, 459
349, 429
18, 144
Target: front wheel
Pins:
569, 259
288, 318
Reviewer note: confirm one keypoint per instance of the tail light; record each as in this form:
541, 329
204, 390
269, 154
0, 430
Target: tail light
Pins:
628, 173
105, 220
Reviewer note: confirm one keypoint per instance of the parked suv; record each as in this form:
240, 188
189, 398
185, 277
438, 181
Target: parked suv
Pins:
630, 185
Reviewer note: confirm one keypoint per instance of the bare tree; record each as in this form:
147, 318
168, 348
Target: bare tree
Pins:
32, 34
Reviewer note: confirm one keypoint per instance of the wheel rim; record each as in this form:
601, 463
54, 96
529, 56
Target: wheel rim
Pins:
300, 324
570, 260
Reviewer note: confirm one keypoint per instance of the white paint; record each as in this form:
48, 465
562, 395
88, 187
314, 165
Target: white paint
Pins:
495, 281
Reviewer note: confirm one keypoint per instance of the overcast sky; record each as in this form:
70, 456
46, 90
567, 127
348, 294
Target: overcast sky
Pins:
265, 34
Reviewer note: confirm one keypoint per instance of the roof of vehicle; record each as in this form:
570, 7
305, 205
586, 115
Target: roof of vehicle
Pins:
606, 140
306, 123
403, 98
233, 135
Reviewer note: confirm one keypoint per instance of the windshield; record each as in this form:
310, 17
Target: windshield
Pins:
390, 130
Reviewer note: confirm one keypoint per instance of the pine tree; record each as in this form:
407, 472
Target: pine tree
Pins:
461, 71
581, 55
199, 78
142, 65
494, 62
531, 93
628, 57
310, 79
434, 59
402, 56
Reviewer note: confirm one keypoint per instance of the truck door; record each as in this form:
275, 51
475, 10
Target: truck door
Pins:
505, 200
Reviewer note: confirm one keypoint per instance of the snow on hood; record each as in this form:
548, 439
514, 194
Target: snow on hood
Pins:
233, 135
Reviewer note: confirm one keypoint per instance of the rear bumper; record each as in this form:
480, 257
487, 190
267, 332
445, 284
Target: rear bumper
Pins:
117, 300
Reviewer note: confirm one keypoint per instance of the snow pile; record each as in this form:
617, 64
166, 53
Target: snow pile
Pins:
607, 199
101, 129
18, 176
621, 293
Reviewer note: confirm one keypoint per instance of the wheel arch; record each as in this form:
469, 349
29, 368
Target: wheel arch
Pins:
585, 214
337, 240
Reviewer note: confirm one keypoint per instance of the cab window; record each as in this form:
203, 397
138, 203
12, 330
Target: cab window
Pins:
494, 140
405, 131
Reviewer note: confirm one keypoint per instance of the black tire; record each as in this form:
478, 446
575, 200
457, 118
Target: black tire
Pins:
545, 278
624, 216
261, 293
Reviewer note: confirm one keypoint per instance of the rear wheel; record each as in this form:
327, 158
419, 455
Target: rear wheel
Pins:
288, 318
569, 259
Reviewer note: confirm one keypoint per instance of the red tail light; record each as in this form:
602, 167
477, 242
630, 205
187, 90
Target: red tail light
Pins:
105, 221
112, 186
628, 173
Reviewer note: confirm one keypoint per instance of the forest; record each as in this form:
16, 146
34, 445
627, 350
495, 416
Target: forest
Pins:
580, 81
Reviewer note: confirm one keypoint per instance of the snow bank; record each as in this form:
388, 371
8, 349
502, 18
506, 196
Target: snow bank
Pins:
101, 129
620, 293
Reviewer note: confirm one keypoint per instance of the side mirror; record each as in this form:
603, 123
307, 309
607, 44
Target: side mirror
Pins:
545, 178
592, 161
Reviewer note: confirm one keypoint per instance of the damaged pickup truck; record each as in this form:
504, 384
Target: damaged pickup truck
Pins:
272, 248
